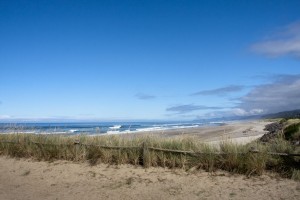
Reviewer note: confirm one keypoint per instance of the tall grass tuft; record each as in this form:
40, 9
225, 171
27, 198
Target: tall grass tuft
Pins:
136, 150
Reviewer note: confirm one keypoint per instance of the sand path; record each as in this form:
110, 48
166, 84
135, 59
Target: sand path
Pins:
27, 179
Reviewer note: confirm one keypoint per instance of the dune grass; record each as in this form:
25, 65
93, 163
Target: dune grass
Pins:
227, 156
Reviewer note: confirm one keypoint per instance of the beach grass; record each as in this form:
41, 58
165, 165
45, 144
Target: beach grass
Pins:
227, 155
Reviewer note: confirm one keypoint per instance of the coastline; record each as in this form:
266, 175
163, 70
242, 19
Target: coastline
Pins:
60, 179
238, 132
235, 131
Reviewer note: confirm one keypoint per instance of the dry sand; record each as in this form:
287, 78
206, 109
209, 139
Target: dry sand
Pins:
27, 179
240, 132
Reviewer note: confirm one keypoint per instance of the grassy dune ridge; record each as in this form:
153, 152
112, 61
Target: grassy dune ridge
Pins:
226, 156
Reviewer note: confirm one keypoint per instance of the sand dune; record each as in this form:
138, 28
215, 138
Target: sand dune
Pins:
27, 179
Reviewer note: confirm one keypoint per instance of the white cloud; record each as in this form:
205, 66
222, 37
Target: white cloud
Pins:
286, 42
5, 117
242, 112
220, 91
256, 111
282, 94
239, 112
188, 108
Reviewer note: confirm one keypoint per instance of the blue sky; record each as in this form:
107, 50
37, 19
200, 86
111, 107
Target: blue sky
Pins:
148, 60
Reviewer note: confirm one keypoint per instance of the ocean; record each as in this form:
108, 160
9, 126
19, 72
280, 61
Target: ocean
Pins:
98, 128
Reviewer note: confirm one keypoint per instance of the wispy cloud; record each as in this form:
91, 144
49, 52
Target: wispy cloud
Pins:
284, 42
220, 91
236, 112
280, 95
143, 96
4, 117
187, 108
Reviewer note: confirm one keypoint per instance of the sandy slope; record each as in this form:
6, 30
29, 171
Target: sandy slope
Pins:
27, 179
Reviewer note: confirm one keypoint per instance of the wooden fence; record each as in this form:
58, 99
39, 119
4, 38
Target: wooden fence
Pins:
145, 149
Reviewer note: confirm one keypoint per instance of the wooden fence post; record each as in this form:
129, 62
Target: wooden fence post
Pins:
146, 155
77, 145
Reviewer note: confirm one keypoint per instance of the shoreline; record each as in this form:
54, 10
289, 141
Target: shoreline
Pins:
238, 131
28, 178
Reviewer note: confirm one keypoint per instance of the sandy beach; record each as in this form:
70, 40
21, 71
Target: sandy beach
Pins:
31, 180
240, 132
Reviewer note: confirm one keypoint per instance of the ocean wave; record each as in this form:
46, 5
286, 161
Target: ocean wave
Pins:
118, 132
186, 126
115, 127
73, 130
101, 128
150, 129
55, 132
113, 132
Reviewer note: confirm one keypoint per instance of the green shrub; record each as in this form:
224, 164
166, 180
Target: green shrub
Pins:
292, 132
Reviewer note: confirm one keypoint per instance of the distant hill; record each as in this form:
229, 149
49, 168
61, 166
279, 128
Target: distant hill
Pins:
284, 114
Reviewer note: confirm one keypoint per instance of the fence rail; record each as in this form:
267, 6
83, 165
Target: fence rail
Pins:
144, 148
